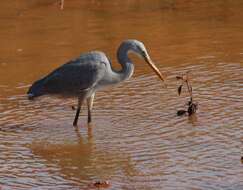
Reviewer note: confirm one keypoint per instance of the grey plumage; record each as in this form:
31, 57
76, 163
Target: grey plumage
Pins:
90, 72
73, 77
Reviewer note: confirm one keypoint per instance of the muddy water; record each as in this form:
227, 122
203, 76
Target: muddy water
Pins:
136, 141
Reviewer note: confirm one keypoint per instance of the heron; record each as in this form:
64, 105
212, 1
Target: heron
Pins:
90, 72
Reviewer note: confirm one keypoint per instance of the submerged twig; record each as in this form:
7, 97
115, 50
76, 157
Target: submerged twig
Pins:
62, 4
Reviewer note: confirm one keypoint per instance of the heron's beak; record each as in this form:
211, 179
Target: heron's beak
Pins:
152, 65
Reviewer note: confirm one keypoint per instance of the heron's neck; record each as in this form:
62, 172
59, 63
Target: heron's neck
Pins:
113, 76
127, 65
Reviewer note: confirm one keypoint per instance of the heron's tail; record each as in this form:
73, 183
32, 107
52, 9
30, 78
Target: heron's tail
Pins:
37, 89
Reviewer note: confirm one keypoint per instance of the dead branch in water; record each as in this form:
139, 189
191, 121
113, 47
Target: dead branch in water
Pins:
62, 4
192, 107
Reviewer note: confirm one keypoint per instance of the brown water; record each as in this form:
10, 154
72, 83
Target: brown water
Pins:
136, 141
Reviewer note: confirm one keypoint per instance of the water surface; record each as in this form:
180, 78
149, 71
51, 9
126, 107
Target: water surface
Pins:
136, 141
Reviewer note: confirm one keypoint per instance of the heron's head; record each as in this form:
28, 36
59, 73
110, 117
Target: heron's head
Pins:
138, 48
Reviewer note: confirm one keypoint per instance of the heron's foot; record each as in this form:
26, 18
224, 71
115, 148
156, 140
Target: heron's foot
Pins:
89, 116
75, 124
76, 117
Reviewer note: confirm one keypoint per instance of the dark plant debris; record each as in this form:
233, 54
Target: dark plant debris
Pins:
179, 89
101, 184
61, 4
192, 106
181, 112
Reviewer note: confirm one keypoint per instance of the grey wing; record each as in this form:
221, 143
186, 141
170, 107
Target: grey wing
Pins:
75, 76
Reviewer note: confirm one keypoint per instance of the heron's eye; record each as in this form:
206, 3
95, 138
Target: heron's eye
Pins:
143, 52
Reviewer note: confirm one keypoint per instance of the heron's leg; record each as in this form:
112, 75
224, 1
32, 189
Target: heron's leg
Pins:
80, 102
90, 102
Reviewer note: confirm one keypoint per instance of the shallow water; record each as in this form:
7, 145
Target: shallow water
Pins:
136, 141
